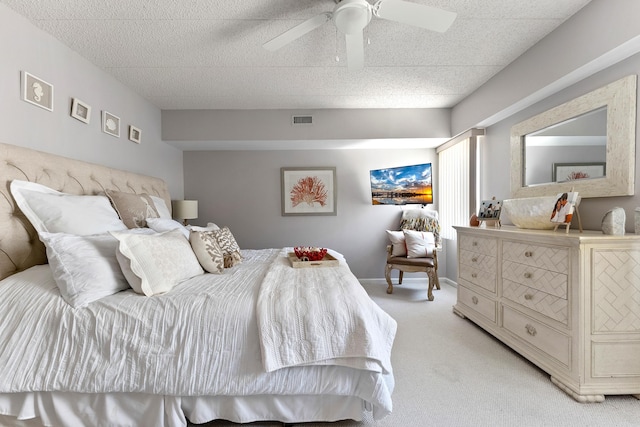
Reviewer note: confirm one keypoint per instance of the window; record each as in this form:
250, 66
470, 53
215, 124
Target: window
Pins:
458, 181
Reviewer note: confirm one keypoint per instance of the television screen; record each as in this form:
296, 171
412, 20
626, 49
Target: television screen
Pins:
403, 185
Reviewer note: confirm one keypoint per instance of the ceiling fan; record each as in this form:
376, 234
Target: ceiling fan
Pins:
351, 16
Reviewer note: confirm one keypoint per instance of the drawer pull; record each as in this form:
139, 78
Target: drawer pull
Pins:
528, 275
531, 330
474, 299
474, 259
528, 254
474, 243
528, 296
474, 275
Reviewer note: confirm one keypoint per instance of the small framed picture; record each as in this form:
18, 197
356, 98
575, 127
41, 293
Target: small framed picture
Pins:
490, 210
80, 110
564, 207
135, 134
309, 191
110, 124
36, 91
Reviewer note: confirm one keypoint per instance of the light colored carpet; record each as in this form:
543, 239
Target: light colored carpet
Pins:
449, 372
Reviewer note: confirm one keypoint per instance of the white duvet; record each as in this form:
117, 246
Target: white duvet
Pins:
202, 338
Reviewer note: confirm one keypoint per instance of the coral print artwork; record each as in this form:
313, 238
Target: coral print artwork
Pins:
308, 191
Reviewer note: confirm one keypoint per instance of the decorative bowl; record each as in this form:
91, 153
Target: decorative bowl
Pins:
309, 253
530, 212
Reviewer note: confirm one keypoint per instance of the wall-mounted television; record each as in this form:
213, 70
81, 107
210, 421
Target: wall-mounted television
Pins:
404, 185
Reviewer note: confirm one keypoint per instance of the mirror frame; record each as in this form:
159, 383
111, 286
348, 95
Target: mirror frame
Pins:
620, 99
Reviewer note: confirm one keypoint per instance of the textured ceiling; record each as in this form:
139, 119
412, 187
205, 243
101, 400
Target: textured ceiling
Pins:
208, 54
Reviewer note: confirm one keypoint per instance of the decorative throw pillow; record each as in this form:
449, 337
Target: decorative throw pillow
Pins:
420, 244
161, 225
133, 209
51, 211
210, 227
229, 246
154, 264
209, 254
397, 240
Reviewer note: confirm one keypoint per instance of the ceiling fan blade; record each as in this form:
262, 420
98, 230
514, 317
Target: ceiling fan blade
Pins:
297, 31
418, 15
355, 51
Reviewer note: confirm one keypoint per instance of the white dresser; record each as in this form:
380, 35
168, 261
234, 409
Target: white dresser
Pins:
570, 303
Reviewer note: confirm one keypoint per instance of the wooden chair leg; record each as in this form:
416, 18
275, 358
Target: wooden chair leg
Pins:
400, 276
387, 275
433, 277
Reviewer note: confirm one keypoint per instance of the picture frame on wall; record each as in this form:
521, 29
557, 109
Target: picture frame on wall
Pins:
135, 134
110, 124
309, 191
80, 110
37, 91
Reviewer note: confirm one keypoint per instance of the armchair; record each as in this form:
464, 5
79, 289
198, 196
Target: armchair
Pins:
414, 248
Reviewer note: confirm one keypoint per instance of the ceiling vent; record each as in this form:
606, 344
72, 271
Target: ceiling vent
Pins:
301, 120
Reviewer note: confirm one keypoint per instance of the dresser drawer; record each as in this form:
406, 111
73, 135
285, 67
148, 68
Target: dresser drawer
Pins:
483, 305
553, 343
541, 302
482, 245
546, 257
477, 276
478, 260
536, 278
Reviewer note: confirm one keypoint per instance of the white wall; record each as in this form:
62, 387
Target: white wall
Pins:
25, 47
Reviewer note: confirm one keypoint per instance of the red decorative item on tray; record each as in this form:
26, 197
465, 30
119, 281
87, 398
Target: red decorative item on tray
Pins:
309, 253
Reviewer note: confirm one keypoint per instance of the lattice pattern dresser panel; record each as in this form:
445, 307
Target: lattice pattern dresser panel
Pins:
616, 291
547, 257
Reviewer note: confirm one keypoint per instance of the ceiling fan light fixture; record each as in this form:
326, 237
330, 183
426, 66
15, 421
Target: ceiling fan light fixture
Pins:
351, 16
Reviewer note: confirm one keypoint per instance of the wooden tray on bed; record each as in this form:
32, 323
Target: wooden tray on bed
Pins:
327, 261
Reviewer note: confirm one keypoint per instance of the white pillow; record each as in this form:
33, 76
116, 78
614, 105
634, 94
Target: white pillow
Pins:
154, 264
84, 268
161, 207
420, 244
162, 224
397, 240
51, 211
210, 227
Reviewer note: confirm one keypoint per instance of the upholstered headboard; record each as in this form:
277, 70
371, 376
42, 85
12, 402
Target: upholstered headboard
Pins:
20, 247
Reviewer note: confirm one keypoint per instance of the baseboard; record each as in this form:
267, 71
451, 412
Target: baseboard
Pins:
382, 281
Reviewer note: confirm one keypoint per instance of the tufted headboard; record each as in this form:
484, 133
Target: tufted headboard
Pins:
20, 247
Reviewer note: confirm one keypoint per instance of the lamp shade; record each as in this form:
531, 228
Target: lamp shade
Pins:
185, 209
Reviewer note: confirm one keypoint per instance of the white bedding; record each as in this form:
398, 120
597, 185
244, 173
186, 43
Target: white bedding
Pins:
201, 339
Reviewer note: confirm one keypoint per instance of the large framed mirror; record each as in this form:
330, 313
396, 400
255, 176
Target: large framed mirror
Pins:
585, 145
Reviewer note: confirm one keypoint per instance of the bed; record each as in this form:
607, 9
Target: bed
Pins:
257, 340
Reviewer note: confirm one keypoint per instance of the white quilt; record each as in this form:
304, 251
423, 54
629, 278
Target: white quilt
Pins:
200, 339
321, 316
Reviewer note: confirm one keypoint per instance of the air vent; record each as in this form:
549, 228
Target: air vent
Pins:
302, 120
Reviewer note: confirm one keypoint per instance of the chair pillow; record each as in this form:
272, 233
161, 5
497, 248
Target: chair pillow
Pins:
154, 264
133, 209
209, 254
51, 211
420, 244
399, 247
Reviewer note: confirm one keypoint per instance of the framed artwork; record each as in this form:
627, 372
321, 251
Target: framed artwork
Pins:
490, 210
36, 91
135, 134
110, 124
80, 110
309, 191
564, 208
571, 171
